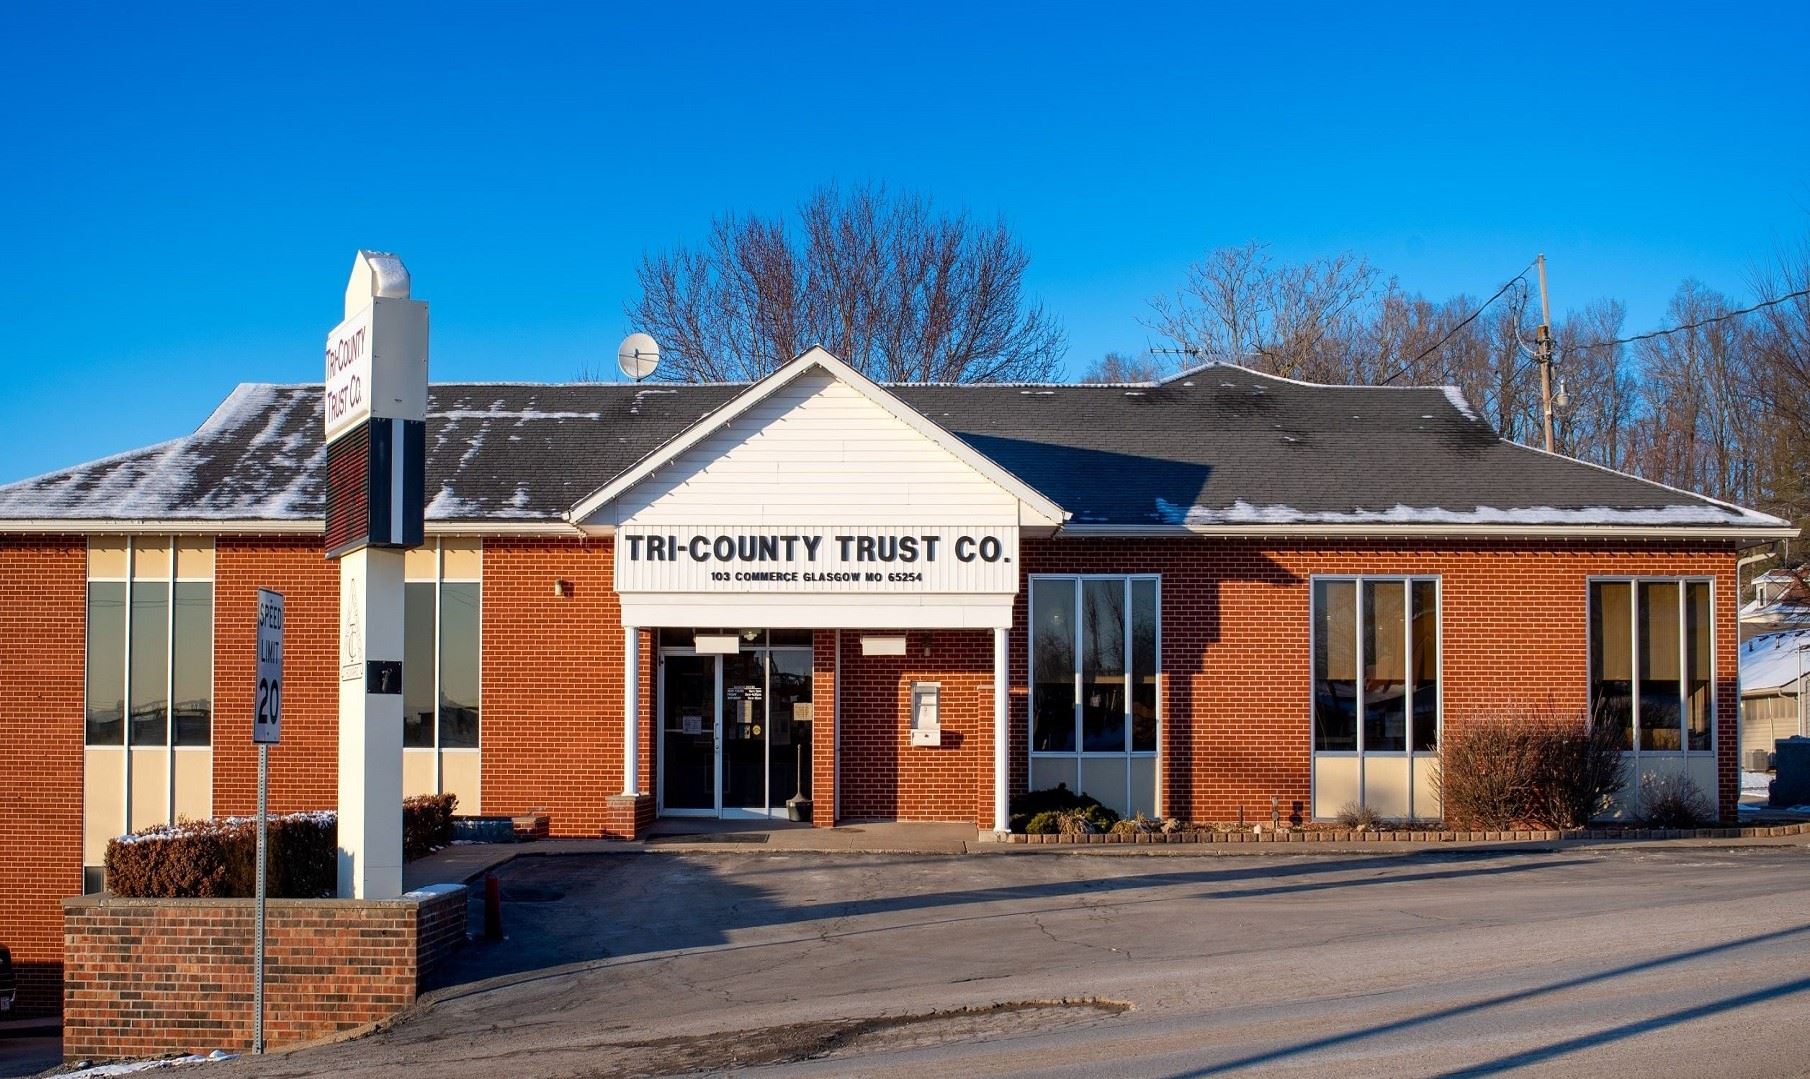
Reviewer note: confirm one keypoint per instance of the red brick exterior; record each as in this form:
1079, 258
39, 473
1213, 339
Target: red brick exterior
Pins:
146, 977
304, 769
43, 624
552, 684
1236, 677
883, 774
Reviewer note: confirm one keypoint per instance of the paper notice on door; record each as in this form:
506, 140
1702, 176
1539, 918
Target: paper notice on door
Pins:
691, 724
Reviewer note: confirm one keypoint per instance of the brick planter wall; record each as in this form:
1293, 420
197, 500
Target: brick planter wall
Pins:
145, 977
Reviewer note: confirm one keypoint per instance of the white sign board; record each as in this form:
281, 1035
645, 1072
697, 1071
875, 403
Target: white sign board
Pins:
267, 721
812, 558
376, 365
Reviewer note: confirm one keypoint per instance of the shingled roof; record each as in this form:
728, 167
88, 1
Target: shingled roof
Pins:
1219, 446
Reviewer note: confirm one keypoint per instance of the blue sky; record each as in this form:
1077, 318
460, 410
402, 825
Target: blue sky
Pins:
185, 185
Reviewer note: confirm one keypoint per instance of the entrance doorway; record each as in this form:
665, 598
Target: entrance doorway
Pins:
735, 727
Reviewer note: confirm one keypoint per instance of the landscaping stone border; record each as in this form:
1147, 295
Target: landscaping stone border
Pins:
1333, 835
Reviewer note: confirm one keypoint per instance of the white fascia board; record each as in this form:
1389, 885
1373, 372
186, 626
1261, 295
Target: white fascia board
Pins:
1712, 532
816, 356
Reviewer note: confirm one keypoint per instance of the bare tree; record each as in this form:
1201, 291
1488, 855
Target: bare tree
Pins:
1118, 367
1298, 320
902, 292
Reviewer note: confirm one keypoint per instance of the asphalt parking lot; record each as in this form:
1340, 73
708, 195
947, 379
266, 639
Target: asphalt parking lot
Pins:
1600, 963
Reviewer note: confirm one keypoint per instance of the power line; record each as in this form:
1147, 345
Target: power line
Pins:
1453, 332
1712, 320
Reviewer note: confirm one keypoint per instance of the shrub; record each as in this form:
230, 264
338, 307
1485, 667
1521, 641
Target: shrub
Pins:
1672, 801
1358, 816
427, 824
218, 859
1057, 799
1537, 768
1076, 822
1047, 822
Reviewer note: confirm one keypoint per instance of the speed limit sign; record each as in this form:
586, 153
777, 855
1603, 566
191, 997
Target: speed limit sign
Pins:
267, 721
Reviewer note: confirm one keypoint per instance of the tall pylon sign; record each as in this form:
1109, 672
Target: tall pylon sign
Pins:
376, 425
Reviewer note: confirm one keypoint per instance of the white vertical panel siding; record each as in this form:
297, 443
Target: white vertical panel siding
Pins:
816, 452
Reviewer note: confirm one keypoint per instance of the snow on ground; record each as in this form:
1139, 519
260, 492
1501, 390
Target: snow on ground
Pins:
133, 1067
1756, 782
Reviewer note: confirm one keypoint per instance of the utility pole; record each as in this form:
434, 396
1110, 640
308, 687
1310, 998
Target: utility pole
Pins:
1544, 342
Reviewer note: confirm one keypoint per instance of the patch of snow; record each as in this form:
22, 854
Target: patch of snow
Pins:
1756, 782
133, 1067
1241, 512
499, 413
447, 506
1456, 396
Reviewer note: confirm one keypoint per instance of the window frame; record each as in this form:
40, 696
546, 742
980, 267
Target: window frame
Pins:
1634, 581
1408, 754
126, 744
438, 581
1080, 753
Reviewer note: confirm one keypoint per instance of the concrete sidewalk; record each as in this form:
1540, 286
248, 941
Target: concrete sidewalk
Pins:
468, 862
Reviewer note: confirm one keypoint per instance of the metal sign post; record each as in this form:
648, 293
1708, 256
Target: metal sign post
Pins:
266, 731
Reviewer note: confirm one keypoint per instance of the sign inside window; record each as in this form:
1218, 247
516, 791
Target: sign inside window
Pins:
923, 559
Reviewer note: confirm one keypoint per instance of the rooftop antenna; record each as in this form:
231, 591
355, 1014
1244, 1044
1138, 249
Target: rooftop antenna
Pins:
1187, 350
637, 356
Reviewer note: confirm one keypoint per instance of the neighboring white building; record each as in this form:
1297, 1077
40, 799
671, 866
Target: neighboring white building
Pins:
1773, 666
1780, 601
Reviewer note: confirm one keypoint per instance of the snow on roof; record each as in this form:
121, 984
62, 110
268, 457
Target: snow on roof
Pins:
1770, 661
1245, 513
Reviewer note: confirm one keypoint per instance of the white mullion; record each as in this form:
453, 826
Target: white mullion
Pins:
1080, 637
1358, 653
1684, 689
125, 725
1634, 678
1407, 683
169, 689
439, 577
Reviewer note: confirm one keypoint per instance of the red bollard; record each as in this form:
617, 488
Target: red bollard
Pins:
493, 907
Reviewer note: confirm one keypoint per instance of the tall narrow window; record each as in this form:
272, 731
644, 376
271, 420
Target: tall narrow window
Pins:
1103, 666
1697, 667
418, 709
1335, 666
1424, 666
106, 663
1095, 664
1660, 684
1053, 660
1612, 657
459, 647
192, 664
150, 690
1385, 667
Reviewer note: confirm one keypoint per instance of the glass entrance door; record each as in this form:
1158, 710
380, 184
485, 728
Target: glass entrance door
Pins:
735, 731
688, 735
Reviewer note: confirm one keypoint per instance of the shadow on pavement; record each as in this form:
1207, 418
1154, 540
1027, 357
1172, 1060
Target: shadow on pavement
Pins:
1558, 1048
583, 908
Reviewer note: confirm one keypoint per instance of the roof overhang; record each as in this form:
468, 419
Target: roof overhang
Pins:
189, 527
814, 357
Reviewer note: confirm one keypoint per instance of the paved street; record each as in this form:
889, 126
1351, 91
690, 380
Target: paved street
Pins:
1599, 963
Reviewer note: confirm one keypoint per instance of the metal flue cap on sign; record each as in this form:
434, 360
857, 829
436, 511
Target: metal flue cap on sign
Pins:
376, 359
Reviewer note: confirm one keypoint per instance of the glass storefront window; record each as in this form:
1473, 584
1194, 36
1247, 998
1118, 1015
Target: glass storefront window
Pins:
1095, 668
1651, 668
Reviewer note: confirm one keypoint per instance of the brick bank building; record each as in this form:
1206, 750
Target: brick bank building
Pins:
1186, 598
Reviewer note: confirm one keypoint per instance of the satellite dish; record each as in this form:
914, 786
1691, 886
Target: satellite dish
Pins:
637, 356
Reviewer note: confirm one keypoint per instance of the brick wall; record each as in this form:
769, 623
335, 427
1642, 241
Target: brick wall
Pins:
882, 773
552, 684
145, 977
43, 616
304, 769
1235, 645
